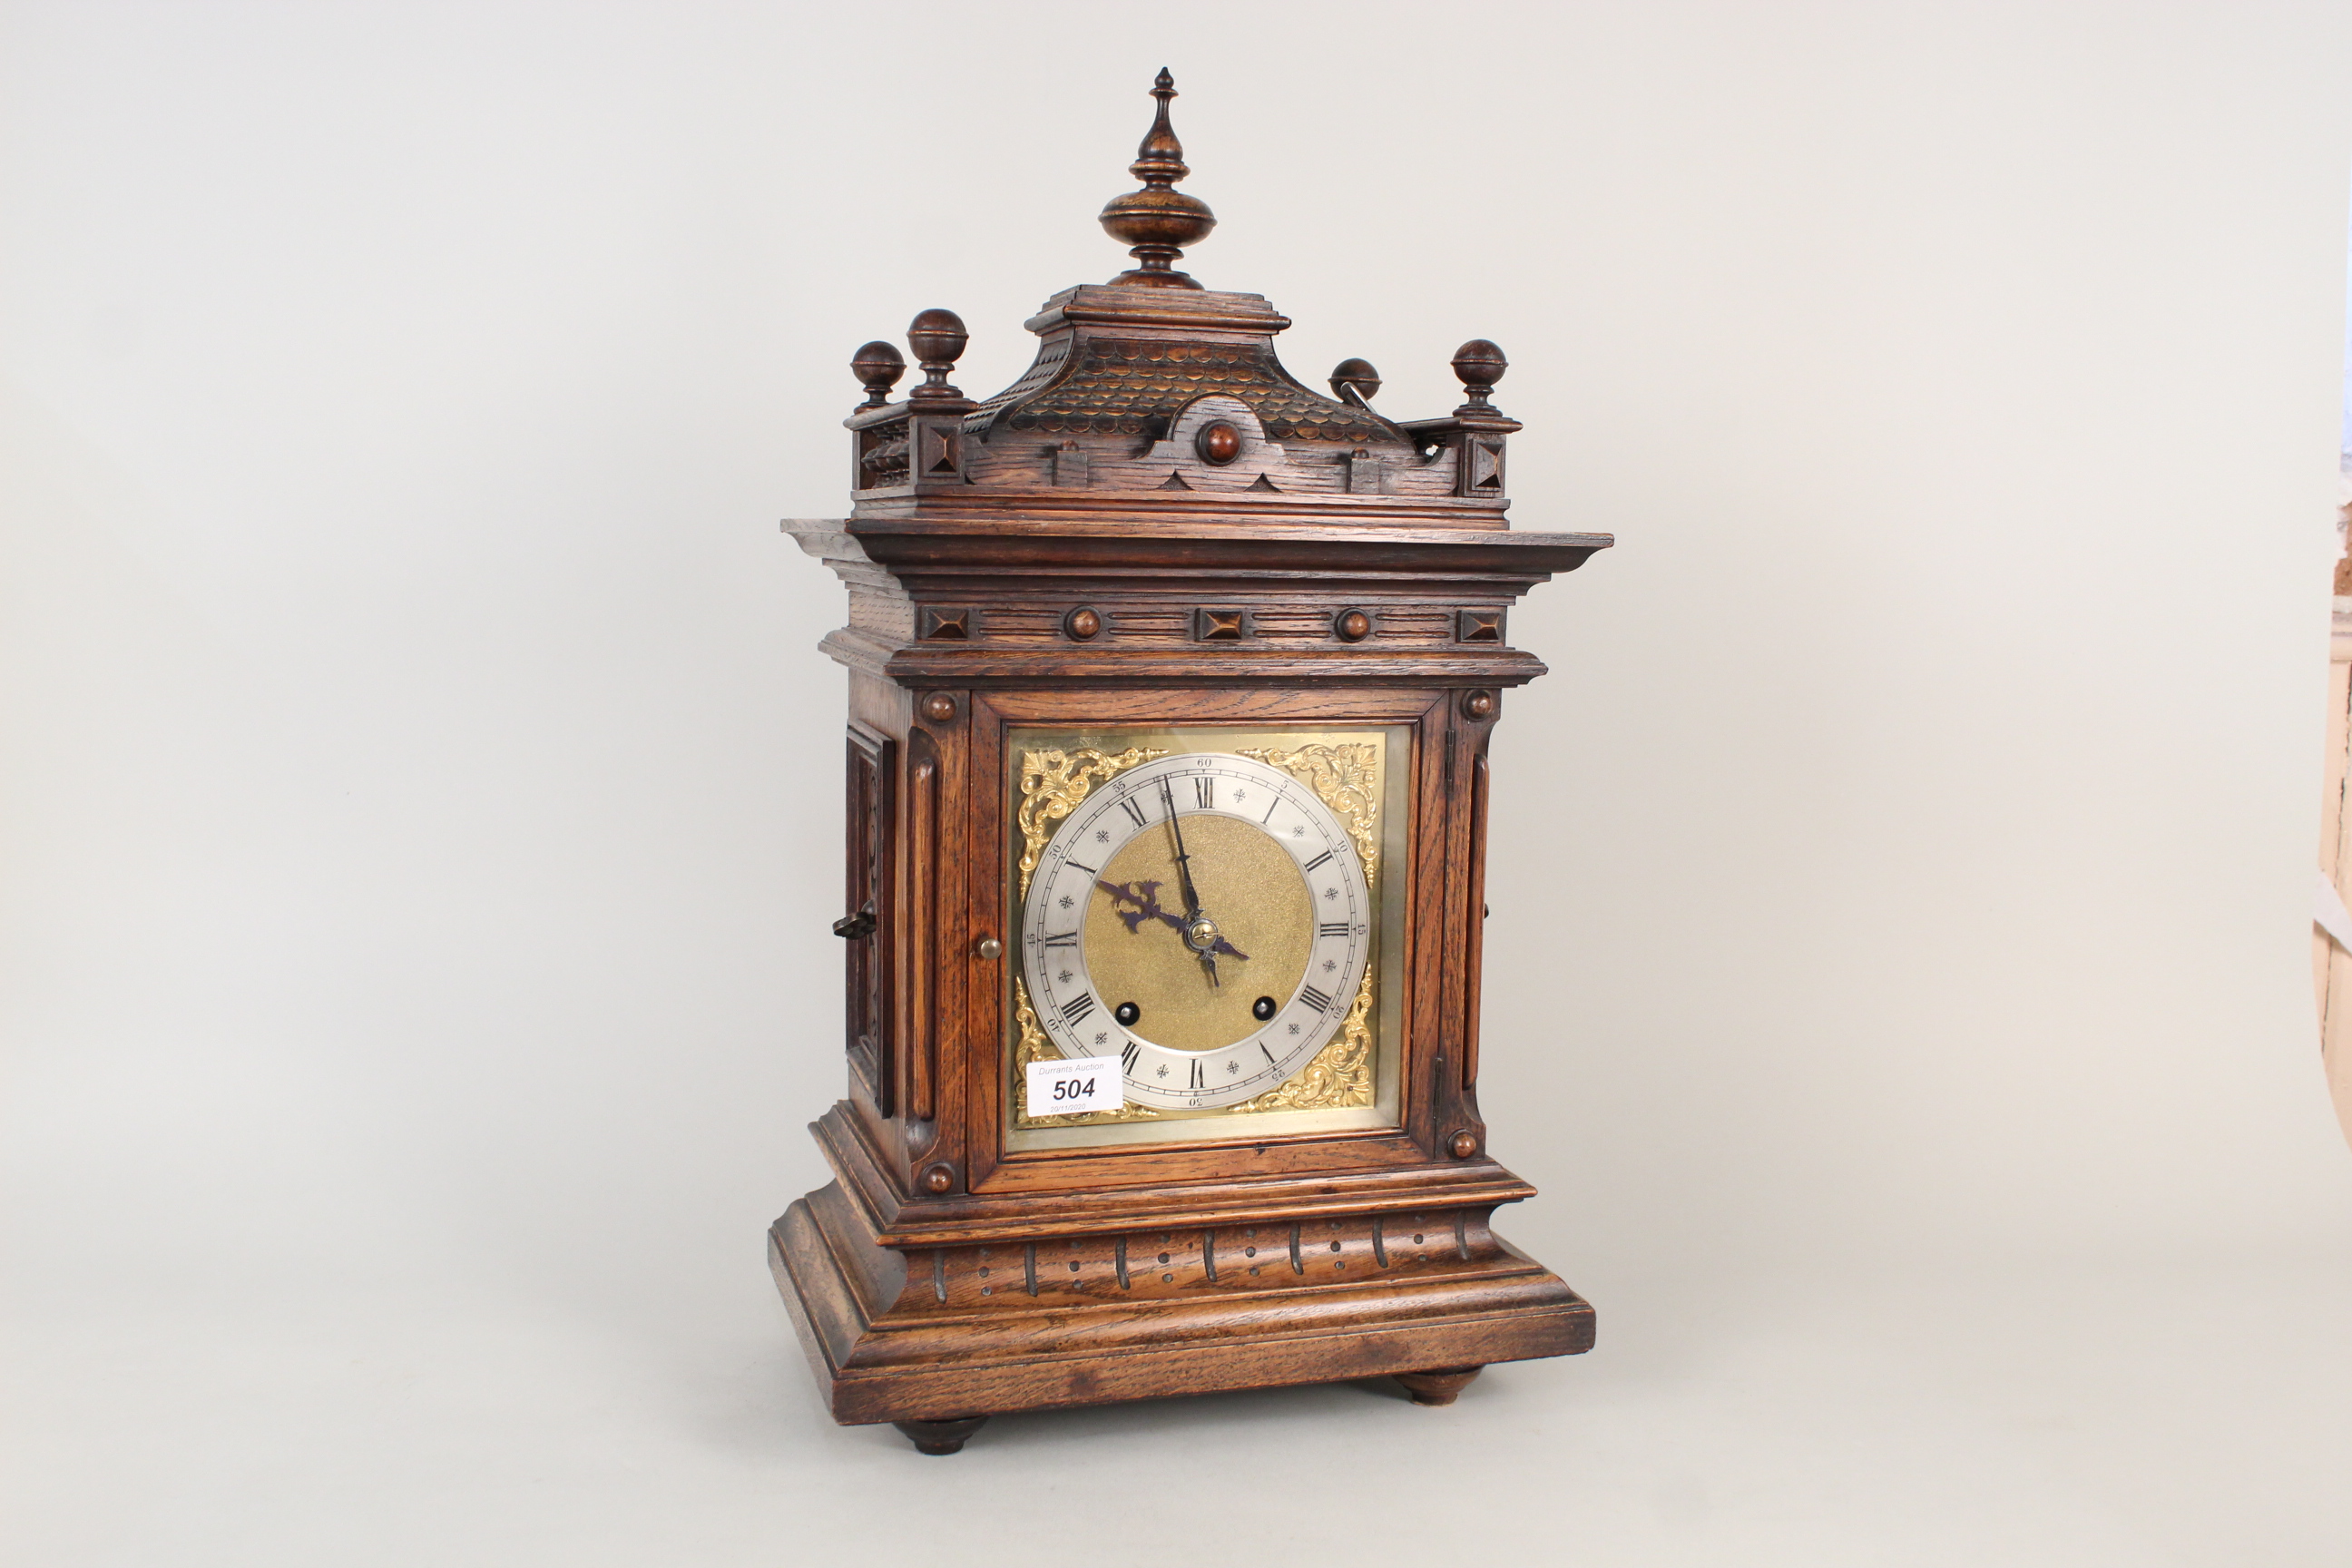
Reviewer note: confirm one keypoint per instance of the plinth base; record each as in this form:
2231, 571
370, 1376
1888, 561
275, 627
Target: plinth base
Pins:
941, 1335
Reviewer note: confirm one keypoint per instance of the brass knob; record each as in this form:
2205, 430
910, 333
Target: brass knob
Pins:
989, 947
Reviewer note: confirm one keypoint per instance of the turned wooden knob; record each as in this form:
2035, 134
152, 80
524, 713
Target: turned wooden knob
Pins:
938, 708
1464, 1145
1355, 381
938, 338
938, 1180
1219, 443
941, 1436
1081, 625
1479, 705
1352, 626
1479, 364
1440, 1386
878, 366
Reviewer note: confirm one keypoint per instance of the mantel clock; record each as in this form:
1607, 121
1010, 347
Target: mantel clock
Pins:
1171, 681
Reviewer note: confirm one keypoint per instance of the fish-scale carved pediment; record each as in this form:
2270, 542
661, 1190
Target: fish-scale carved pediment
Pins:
1134, 386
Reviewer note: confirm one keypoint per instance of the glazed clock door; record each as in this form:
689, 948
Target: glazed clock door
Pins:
1211, 908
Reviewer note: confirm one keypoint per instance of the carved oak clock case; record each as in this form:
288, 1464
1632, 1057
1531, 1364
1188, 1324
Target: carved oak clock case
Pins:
1170, 683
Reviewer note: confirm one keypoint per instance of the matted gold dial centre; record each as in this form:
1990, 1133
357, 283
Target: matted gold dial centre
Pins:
1257, 927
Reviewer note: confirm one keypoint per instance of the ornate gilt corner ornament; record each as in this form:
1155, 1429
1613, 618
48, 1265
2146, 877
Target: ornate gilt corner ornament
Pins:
1341, 1073
1053, 782
1346, 777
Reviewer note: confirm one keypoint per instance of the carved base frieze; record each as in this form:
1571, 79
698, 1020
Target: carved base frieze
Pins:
929, 1333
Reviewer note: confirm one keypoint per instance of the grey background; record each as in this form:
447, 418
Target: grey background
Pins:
421, 788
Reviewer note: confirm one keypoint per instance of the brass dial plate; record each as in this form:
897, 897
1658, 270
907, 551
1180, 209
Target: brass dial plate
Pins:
1302, 1027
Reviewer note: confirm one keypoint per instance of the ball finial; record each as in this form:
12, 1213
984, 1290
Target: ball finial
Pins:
1479, 364
1159, 220
938, 338
877, 365
1355, 381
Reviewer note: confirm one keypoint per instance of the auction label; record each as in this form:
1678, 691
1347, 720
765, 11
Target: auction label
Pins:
1066, 1086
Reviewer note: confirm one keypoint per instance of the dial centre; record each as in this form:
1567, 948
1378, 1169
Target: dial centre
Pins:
1140, 946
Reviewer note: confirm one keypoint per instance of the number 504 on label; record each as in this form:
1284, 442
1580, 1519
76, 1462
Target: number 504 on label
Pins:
1071, 1085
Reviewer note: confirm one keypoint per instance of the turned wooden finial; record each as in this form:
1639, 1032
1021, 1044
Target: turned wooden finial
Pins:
878, 366
1479, 364
1160, 157
938, 338
1355, 381
1159, 220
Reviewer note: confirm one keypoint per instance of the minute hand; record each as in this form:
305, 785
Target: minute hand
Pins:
1193, 921
1184, 862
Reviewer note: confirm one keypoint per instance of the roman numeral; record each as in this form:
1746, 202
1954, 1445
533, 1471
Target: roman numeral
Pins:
1314, 998
1204, 792
1317, 860
1129, 1056
1329, 928
1133, 810
1077, 1008
1196, 1075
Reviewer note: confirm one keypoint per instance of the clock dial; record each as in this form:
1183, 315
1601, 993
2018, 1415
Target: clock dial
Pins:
1205, 917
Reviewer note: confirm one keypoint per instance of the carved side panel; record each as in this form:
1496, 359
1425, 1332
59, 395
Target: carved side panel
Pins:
883, 456
1481, 473
873, 770
920, 1018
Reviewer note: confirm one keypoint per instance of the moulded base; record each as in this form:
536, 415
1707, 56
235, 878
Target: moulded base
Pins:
938, 1334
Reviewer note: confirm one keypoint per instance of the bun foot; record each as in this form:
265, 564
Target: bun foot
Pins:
1438, 1387
948, 1437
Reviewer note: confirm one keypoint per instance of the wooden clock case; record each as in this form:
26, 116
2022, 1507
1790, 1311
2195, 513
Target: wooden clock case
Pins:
1154, 525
